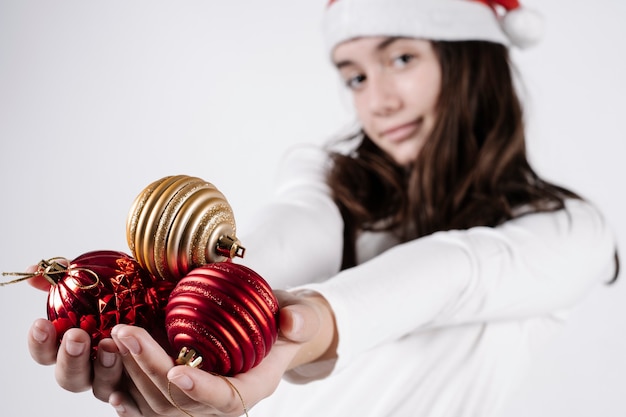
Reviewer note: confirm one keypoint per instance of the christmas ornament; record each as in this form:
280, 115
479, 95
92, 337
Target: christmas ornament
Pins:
179, 223
222, 316
100, 289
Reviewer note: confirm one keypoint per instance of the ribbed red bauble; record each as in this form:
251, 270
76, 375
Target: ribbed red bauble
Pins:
224, 315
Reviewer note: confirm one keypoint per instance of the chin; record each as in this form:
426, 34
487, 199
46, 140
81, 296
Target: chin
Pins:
405, 156
404, 162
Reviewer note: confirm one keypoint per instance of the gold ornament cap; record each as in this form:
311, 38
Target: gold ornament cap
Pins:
179, 223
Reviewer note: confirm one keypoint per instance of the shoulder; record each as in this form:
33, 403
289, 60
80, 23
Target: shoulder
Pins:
303, 163
316, 152
303, 168
305, 153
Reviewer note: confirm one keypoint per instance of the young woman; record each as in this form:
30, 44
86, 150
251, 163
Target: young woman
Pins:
425, 260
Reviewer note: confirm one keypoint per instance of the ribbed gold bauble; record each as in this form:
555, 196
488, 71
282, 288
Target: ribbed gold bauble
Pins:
179, 223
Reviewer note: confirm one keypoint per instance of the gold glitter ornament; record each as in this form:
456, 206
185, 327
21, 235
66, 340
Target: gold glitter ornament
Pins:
179, 223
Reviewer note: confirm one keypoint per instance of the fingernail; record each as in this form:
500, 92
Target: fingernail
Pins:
74, 348
183, 382
107, 359
39, 335
297, 321
131, 344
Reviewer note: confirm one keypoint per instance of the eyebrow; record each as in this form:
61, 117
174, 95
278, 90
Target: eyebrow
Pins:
384, 44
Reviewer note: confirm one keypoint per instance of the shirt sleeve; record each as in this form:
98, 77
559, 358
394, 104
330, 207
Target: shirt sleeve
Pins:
298, 237
535, 265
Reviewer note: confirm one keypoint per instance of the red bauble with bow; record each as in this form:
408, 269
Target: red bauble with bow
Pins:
100, 289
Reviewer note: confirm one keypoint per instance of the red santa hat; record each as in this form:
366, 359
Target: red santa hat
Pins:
501, 21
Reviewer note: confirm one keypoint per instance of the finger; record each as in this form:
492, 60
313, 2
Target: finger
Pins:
108, 370
124, 405
231, 396
73, 370
146, 364
42, 342
194, 389
39, 282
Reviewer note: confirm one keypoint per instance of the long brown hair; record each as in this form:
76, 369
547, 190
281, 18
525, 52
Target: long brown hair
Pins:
472, 171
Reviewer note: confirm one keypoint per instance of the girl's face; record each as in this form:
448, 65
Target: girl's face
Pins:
395, 85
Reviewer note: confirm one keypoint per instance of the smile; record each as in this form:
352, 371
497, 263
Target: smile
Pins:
402, 132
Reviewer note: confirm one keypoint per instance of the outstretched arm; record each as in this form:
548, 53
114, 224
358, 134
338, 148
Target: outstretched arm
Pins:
537, 265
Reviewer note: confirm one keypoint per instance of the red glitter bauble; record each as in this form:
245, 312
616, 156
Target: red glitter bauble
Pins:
224, 313
100, 289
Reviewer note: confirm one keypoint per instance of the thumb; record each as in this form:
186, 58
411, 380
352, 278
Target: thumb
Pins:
299, 322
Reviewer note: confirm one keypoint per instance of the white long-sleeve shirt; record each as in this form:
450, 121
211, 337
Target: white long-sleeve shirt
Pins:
441, 326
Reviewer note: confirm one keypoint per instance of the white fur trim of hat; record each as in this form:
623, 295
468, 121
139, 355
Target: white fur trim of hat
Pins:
500, 21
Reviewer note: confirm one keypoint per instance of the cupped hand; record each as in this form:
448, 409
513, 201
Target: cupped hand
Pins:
74, 370
160, 388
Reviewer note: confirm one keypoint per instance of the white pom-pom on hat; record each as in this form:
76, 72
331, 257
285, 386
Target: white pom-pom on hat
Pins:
524, 27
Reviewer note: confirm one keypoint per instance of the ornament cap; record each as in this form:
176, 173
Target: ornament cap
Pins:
189, 357
51, 270
230, 247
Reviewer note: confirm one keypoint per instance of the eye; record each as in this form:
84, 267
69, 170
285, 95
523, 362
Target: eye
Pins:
355, 82
402, 60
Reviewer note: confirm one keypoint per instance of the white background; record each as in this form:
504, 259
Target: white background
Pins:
98, 99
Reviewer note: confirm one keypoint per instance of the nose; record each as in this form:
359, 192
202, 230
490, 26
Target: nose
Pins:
383, 98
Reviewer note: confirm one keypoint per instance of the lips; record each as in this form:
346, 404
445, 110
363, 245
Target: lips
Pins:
401, 132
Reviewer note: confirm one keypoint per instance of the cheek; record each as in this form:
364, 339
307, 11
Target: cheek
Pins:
432, 91
422, 89
362, 111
